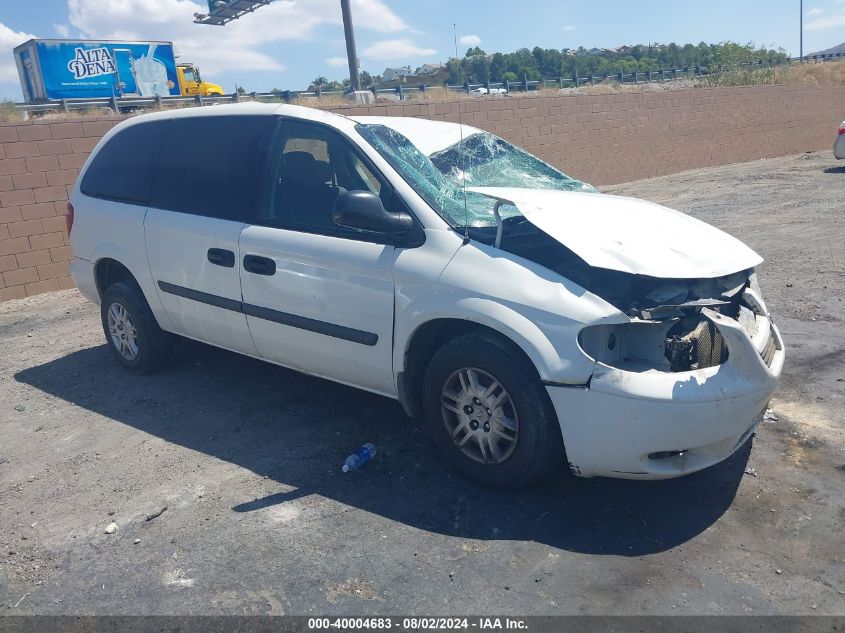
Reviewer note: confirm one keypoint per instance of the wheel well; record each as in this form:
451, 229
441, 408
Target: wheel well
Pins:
109, 272
425, 342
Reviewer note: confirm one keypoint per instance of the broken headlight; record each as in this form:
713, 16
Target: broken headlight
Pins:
671, 345
694, 342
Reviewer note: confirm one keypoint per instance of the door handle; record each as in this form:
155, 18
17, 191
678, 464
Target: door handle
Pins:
259, 265
221, 257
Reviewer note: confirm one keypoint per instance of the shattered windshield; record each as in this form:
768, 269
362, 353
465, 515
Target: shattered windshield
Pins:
480, 160
443, 194
485, 160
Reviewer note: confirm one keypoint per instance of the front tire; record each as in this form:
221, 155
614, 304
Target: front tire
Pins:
132, 333
488, 412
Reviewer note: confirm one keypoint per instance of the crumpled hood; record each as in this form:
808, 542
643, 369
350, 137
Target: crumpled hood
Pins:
628, 234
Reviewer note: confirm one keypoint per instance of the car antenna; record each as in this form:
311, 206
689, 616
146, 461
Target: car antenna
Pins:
461, 145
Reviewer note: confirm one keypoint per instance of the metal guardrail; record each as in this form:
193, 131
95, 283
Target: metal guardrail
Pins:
662, 75
402, 92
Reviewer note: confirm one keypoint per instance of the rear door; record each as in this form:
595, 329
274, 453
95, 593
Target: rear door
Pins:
204, 189
319, 297
124, 72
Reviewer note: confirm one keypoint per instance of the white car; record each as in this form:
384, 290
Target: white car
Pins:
523, 314
839, 143
488, 91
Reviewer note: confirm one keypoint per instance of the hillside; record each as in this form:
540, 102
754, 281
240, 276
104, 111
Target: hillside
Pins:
836, 50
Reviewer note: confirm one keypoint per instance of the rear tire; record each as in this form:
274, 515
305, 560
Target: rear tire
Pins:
488, 412
132, 333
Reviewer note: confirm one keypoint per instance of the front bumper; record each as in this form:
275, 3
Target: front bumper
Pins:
616, 425
839, 147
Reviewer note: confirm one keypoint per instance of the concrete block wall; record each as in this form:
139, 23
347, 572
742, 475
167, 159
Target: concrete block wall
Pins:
608, 139
601, 139
39, 162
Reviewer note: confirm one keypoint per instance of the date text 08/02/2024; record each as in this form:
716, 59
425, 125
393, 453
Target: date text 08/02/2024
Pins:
417, 623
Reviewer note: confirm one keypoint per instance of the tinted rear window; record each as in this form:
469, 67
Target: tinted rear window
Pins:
123, 169
211, 166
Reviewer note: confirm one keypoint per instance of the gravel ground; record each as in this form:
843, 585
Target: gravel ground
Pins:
259, 519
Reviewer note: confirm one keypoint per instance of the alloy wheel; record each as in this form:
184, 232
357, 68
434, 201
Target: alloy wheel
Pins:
479, 415
124, 335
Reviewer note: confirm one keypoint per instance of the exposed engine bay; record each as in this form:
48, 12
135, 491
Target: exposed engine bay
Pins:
669, 331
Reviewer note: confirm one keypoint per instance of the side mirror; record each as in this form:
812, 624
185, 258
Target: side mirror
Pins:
364, 211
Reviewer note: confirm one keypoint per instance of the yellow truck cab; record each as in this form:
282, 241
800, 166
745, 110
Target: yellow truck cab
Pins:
190, 82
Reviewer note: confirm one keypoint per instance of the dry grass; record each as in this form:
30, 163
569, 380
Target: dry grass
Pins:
8, 112
828, 74
748, 77
614, 87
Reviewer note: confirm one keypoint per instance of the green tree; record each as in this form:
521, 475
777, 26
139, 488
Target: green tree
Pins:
498, 67
478, 68
550, 63
455, 70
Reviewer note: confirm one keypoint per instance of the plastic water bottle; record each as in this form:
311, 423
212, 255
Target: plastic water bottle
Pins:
360, 457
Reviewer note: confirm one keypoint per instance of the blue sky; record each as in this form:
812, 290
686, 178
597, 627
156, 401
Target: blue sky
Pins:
287, 44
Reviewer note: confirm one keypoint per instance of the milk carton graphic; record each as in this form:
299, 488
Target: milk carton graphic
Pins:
150, 75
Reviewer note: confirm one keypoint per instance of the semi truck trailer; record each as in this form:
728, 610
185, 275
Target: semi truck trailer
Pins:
84, 69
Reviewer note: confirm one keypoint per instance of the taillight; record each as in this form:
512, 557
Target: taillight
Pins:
69, 218
842, 130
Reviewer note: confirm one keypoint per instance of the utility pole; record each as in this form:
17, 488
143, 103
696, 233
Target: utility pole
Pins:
801, 53
350, 45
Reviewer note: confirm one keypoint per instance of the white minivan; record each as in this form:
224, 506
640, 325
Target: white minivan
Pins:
526, 316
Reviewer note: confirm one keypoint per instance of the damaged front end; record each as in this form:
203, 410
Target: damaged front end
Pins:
669, 329
676, 333
677, 387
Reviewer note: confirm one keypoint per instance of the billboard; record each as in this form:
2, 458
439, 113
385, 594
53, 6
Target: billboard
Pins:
85, 69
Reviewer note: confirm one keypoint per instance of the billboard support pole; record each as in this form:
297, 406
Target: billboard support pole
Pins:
350, 45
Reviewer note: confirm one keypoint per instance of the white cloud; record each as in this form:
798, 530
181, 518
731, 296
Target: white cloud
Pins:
373, 15
829, 22
8, 40
337, 61
815, 11
235, 46
469, 40
568, 27
397, 50
62, 30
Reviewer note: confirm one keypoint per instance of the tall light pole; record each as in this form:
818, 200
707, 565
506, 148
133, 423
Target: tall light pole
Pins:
350, 44
801, 46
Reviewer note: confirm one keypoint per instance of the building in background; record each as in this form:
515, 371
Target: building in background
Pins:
392, 74
428, 69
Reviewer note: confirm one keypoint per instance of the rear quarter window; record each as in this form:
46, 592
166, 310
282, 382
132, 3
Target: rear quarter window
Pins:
212, 166
122, 169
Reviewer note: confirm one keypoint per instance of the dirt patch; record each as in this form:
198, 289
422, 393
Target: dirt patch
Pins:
353, 587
